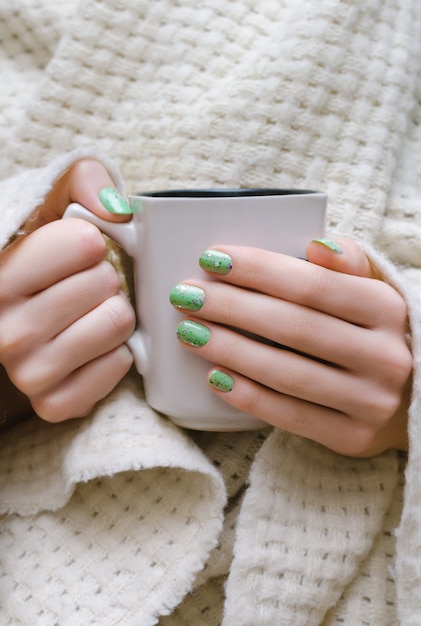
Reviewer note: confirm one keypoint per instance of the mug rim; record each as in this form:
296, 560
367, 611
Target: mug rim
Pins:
222, 192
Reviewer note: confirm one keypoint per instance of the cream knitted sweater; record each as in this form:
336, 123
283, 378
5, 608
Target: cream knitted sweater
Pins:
123, 518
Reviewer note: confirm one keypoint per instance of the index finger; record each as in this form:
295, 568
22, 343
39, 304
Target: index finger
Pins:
359, 300
49, 254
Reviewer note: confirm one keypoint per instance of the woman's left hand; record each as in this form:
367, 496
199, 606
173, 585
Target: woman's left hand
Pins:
316, 348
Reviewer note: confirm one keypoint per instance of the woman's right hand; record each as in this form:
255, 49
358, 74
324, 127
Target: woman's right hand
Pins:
64, 320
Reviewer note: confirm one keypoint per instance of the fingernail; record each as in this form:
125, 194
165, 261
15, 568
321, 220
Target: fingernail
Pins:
187, 297
221, 381
215, 262
193, 334
328, 243
114, 202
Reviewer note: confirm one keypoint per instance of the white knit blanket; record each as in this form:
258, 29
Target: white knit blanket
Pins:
123, 518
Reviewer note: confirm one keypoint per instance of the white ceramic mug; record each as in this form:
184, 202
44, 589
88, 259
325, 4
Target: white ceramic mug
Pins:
168, 233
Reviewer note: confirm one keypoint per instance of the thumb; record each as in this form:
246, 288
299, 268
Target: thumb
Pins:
341, 255
88, 183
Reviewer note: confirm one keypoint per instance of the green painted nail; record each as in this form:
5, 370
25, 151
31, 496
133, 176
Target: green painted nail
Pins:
215, 262
221, 381
114, 202
187, 297
193, 334
328, 243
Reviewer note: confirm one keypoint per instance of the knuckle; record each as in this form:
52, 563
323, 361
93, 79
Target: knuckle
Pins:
387, 405
296, 418
406, 363
401, 309
10, 344
395, 310
62, 402
80, 168
303, 328
254, 275
122, 361
17, 339
91, 242
46, 409
85, 168
233, 350
109, 277
379, 407
251, 401
120, 316
398, 365
32, 375
395, 362
295, 379
359, 441
53, 409
315, 284
230, 310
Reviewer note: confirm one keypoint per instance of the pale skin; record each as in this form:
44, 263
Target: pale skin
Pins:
63, 318
351, 393
64, 322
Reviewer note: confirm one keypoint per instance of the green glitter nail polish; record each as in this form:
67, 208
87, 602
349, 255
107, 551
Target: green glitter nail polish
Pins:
215, 262
193, 334
331, 245
221, 381
187, 297
114, 202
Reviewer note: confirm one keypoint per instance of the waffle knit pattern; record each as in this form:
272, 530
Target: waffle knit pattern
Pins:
122, 518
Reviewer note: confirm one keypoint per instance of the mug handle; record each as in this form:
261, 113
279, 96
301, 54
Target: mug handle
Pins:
124, 233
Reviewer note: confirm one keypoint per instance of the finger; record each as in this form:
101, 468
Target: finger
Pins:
43, 316
341, 255
284, 371
359, 300
49, 254
78, 394
326, 426
100, 331
284, 323
83, 183
377, 355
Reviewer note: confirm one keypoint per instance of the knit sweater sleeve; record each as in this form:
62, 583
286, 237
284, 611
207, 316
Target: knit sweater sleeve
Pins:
23, 193
401, 239
123, 457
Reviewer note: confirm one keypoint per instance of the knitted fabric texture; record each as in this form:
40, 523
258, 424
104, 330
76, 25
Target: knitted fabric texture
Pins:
122, 518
